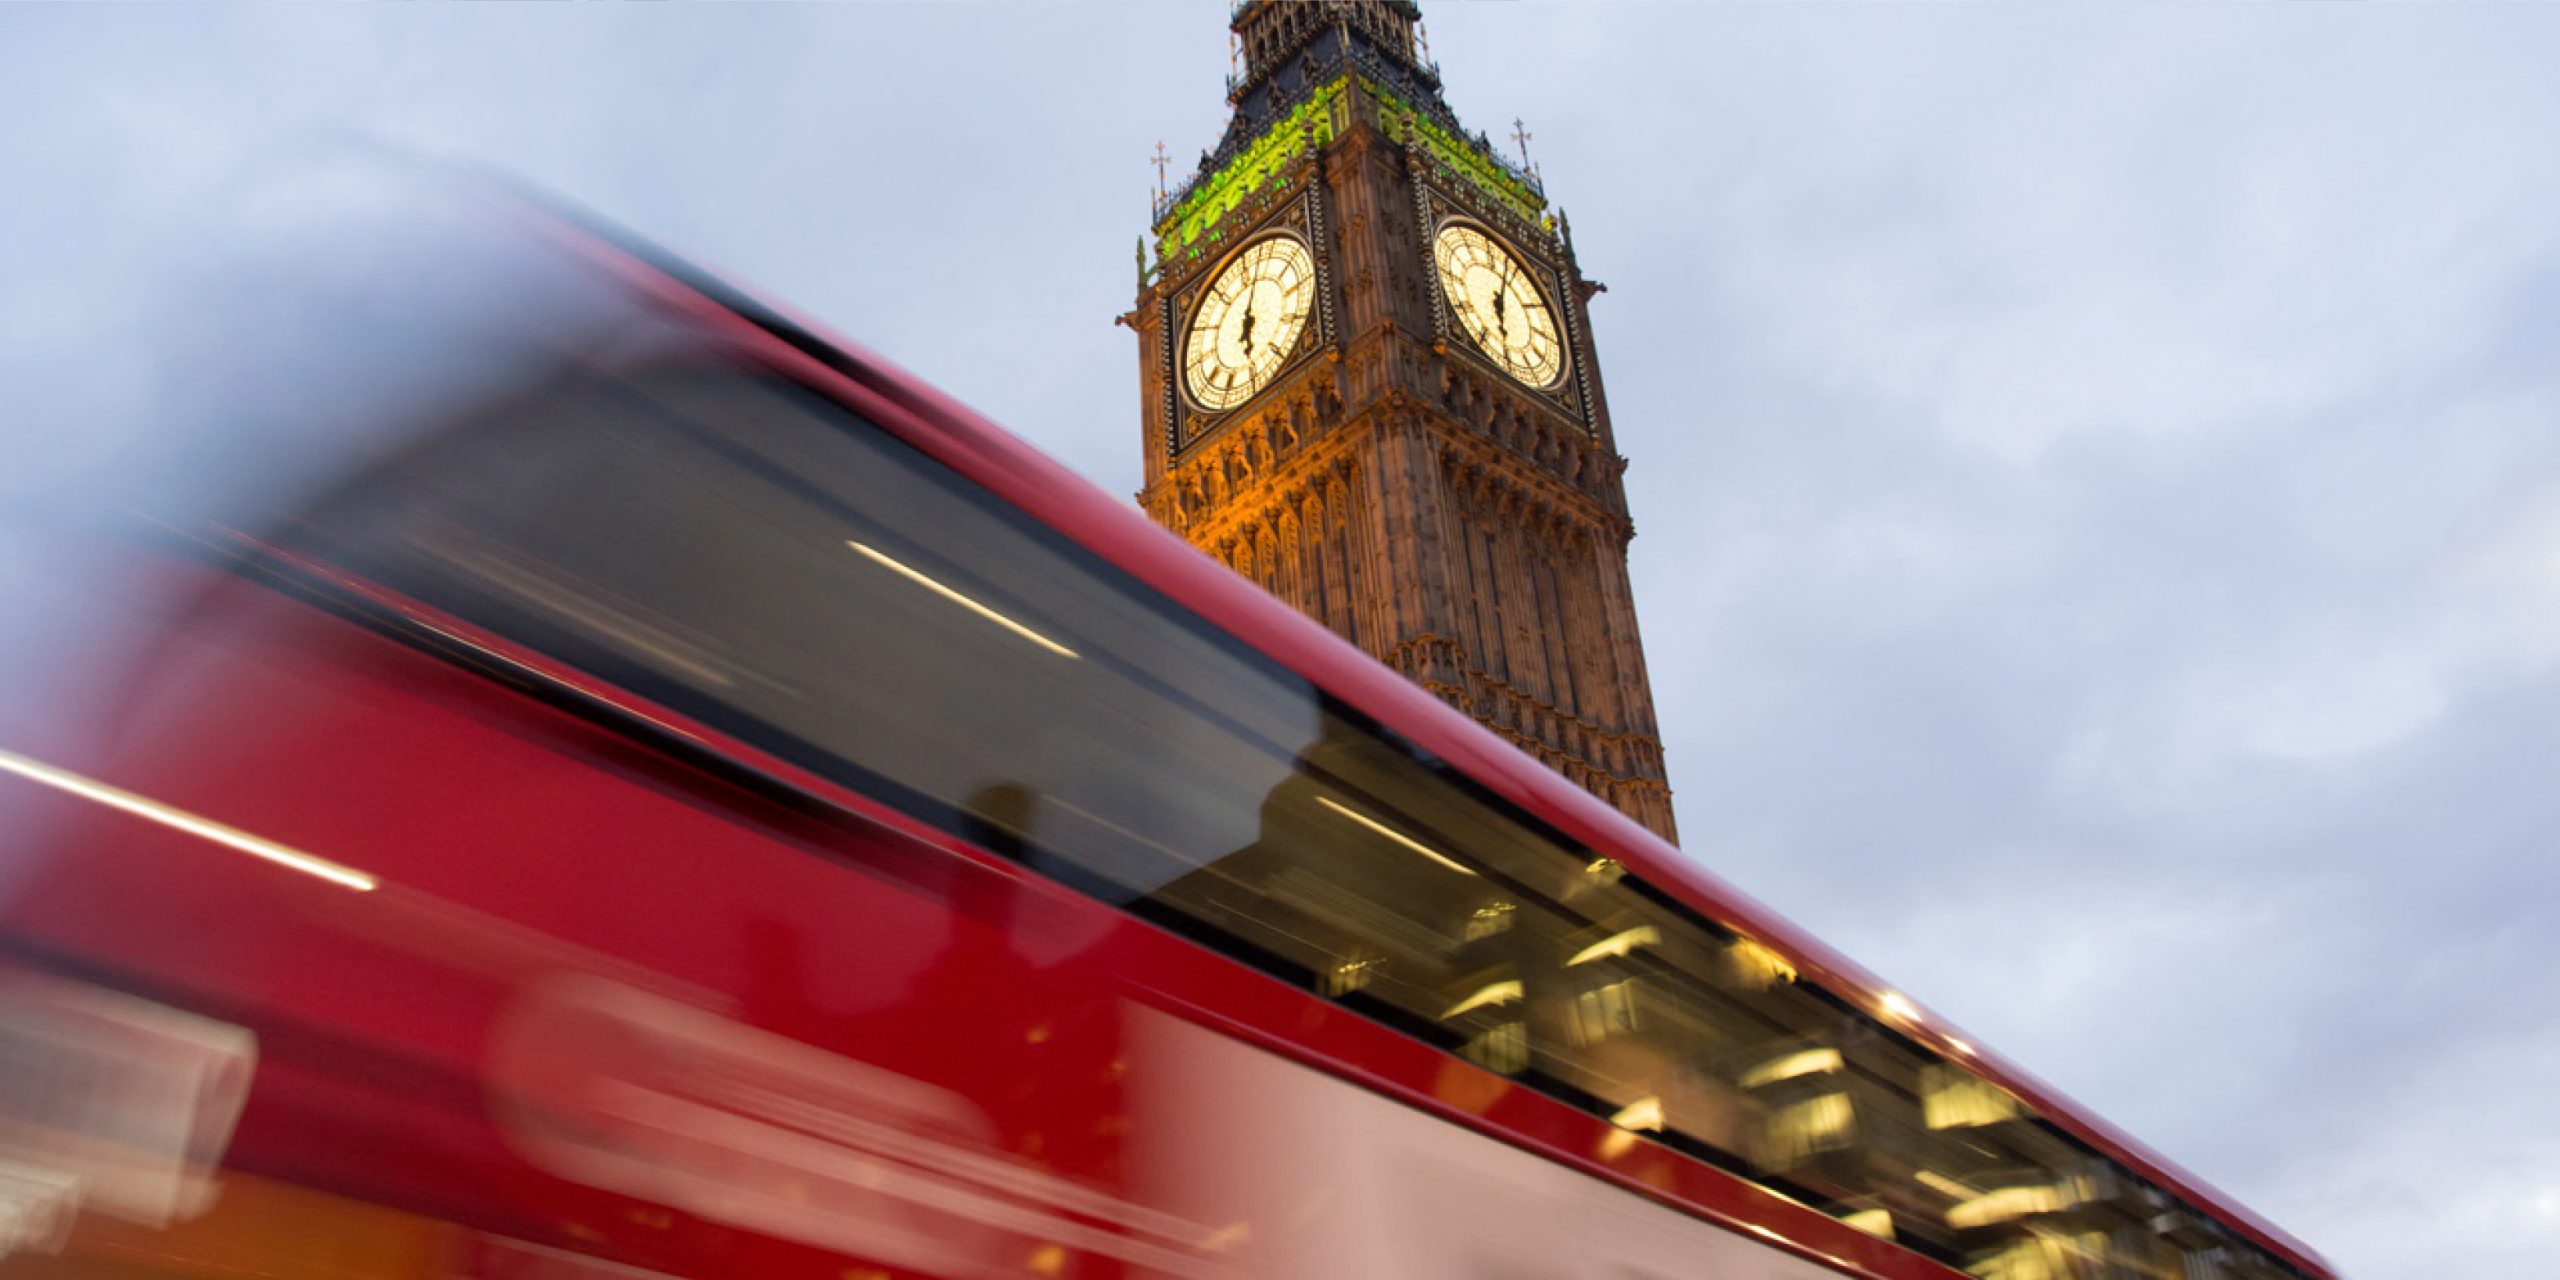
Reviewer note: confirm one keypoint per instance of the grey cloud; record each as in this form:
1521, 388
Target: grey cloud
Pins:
2098, 469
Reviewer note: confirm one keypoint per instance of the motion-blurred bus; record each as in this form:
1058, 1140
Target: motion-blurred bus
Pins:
558, 771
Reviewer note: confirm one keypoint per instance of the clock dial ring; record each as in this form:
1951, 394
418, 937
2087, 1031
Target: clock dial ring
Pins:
1497, 302
1249, 320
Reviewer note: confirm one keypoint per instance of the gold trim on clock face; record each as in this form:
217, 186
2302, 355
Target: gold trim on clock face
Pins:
1248, 322
1491, 294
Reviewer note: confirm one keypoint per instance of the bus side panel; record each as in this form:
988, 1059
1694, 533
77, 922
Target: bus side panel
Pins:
533, 913
571, 998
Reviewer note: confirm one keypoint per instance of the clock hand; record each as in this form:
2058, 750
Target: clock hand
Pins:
1500, 324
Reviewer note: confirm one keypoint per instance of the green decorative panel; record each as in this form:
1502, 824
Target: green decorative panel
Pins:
1189, 231
1458, 158
1192, 223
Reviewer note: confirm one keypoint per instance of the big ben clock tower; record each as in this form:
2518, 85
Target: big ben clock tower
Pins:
1369, 386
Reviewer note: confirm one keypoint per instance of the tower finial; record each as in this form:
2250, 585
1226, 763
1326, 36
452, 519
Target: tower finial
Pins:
1520, 134
1161, 161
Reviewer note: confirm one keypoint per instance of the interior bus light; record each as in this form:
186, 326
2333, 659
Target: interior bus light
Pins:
1759, 967
1954, 1098
1806, 1063
2018, 1202
1492, 993
1395, 835
2050, 1253
902, 569
1643, 935
201, 827
1643, 1113
1875, 1222
1491, 920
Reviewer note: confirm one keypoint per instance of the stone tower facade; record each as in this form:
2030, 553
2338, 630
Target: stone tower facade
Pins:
1369, 386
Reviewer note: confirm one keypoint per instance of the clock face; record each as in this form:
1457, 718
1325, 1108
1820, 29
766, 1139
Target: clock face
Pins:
1248, 323
1500, 307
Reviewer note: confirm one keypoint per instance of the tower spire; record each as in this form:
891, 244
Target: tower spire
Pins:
1291, 47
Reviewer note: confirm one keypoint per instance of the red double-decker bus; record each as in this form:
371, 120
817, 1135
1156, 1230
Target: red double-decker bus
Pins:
617, 785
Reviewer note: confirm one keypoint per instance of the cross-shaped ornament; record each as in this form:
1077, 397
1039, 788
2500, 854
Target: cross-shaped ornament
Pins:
1521, 135
1161, 161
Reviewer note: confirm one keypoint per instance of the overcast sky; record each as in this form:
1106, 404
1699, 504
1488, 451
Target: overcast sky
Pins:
2097, 470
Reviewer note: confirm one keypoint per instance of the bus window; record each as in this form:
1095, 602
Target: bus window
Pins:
746, 553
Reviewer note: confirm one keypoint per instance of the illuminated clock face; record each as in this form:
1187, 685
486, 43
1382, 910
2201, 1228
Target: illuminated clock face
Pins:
1500, 307
1248, 323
